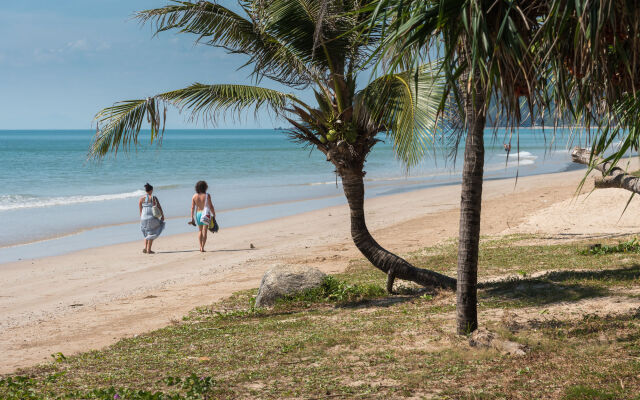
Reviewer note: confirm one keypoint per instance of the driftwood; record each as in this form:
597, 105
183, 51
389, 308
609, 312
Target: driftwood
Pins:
614, 177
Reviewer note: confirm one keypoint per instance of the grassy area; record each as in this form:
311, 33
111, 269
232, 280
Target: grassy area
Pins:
350, 340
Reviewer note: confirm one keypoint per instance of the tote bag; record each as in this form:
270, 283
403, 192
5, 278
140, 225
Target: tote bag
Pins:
155, 210
205, 218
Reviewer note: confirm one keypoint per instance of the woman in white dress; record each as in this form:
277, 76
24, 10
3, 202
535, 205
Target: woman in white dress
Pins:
150, 225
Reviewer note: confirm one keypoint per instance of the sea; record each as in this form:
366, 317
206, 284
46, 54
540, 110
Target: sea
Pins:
54, 200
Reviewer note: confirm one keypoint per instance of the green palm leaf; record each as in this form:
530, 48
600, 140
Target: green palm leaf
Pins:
121, 123
212, 23
406, 106
217, 26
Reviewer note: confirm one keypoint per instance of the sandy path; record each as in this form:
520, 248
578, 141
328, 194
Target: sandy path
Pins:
89, 299
599, 213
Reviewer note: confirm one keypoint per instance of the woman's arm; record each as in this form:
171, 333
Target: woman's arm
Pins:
193, 206
140, 205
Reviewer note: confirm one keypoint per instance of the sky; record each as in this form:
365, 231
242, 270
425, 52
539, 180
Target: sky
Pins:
62, 61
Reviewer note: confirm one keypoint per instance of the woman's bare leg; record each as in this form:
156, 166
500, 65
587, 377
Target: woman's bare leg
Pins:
204, 236
149, 247
200, 236
146, 246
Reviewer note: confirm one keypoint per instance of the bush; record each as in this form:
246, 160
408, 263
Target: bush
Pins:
631, 246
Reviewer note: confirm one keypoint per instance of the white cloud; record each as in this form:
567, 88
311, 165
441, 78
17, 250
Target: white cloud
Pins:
79, 45
47, 55
103, 46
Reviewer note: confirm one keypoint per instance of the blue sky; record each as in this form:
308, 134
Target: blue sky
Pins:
61, 61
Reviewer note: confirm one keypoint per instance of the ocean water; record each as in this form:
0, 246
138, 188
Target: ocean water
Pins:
49, 190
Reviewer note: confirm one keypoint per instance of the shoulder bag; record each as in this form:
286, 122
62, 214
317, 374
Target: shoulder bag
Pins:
205, 218
155, 210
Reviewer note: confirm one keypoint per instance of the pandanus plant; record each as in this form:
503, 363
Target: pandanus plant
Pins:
303, 44
576, 59
488, 56
593, 51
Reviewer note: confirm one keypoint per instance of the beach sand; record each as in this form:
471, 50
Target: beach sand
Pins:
90, 299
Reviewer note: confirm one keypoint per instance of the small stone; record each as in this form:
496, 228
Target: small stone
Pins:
487, 339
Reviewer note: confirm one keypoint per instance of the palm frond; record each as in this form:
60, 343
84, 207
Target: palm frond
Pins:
596, 69
218, 26
211, 101
622, 133
120, 124
489, 42
406, 106
213, 23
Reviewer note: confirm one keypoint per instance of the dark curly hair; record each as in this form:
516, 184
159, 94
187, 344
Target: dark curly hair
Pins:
201, 187
148, 187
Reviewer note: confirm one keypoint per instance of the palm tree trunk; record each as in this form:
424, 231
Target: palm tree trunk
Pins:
470, 206
389, 263
612, 177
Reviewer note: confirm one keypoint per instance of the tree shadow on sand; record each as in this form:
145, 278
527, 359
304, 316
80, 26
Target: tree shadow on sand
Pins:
379, 303
552, 287
558, 286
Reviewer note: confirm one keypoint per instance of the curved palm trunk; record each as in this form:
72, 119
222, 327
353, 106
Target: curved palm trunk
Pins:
470, 206
389, 263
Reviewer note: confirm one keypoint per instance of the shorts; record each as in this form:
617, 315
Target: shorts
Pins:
198, 216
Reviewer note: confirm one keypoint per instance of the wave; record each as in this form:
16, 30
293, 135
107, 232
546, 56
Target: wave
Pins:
516, 163
19, 201
317, 183
522, 155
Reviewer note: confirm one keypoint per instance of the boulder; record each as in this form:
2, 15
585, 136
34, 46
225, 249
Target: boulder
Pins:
281, 280
487, 339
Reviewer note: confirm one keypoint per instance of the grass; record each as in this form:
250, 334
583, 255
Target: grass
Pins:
348, 339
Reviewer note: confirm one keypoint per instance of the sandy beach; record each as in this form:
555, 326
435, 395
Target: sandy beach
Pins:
90, 299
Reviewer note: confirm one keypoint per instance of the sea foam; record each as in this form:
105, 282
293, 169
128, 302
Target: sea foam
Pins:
20, 201
521, 155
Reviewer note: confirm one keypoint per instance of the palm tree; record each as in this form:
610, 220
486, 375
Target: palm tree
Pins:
486, 57
301, 44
